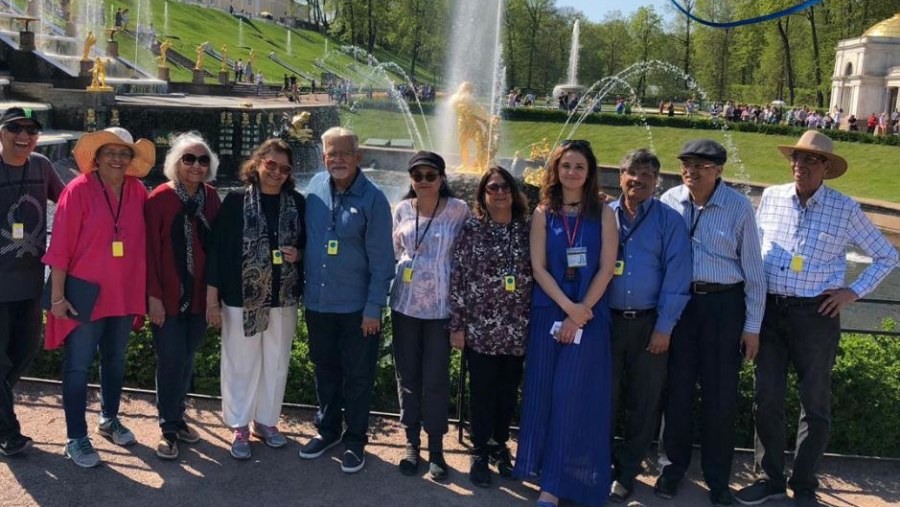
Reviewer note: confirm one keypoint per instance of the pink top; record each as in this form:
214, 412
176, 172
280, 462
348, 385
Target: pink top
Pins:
81, 244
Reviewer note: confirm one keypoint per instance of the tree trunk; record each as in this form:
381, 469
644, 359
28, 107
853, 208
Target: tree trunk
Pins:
687, 39
417, 35
811, 15
788, 62
370, 44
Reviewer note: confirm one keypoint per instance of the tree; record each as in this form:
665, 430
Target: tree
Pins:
645, 26
536, 10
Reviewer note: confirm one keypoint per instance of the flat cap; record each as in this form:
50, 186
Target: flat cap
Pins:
18, 113
707, 149
427, 158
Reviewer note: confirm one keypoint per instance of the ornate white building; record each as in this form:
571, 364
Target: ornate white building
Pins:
867, 71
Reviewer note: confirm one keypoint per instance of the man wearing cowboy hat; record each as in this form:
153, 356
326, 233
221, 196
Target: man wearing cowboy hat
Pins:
805, 230
27, 182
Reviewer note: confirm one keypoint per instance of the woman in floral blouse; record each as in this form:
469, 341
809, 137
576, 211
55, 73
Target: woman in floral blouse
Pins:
490, 296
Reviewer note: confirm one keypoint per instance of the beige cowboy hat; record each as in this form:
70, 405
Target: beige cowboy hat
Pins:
817, 143
86, 150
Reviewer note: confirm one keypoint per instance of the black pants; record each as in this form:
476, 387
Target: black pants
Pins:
422, 364
494, 391
794, 334
640, 376
706, 348
176, 343
20, 327
345, 374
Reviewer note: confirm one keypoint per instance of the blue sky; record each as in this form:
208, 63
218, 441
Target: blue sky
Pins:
596, 9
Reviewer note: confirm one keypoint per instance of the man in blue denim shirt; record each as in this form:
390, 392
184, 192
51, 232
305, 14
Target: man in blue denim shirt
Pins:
650, 288
349, 264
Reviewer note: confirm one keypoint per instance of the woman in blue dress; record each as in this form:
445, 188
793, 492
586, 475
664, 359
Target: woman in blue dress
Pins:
565, 435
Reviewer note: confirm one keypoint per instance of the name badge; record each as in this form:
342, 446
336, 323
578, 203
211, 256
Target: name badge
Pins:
509, 283
332, 247
118, 249
619, 268
576, 257
277, 257
797, 262
18, 230
407, 275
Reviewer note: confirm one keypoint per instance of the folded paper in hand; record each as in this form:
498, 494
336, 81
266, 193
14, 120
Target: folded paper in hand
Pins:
554, 332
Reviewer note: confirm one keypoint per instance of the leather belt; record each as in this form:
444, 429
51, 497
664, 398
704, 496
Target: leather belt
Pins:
710, 288
633, 314
788, 301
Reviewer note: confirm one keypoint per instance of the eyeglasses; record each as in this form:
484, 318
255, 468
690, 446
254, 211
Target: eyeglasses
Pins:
119, 154
497, 188
190, 158
576, 143
271, 165
15, 128
696, 166
429, 177
334, 155
806, 159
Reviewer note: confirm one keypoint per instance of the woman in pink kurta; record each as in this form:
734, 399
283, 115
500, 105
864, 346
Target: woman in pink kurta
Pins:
99, 236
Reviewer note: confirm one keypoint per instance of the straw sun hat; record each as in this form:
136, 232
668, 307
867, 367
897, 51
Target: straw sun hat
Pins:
87, 146
818, 143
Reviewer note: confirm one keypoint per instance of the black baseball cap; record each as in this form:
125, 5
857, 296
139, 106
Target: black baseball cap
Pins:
427, 158
18, 113
707, 149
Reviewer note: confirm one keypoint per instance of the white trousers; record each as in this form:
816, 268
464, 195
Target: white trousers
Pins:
254, 369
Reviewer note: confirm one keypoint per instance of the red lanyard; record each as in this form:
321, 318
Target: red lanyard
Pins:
570, 236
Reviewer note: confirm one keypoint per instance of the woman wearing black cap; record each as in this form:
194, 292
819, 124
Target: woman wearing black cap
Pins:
426, 223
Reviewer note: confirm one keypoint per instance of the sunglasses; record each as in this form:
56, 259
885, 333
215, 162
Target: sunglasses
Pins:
429, 177
271, 165
190, 158
15, 128
696, 166
576, 143
121, 155
806, 159
497, 188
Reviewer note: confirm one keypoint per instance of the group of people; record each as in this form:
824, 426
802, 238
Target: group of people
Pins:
603, 306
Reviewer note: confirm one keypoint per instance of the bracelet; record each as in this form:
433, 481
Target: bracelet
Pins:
211, 306
58, 301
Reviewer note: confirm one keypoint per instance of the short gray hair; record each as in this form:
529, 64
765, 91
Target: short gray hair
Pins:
336, 132
641, 157
178, 145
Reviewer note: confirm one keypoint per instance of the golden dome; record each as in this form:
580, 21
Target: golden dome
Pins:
887, 28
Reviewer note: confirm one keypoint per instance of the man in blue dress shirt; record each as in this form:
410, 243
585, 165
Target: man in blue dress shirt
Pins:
349, 264
646, 296
722, 318
805, 229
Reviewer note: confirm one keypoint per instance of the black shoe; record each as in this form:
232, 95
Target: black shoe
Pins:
409, 464
317, 446
499, 457
760, 491
437, 467
353, 461
14, 444
479, 473
721, 497
665, 487
806, 498
619, 493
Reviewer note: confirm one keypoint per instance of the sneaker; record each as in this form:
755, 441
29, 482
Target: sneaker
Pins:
665, 487
619, 493
82, 453
317, 446
114, 430
806, 498
352, 462
499, 457
186, 434
15, 444
721, 497
167, 448
437, 467
268, 434
759, 492
240, 446
409, 464
479, 473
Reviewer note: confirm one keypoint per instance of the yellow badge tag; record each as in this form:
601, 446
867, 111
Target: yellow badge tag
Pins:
509, 283
407, 275
18, 230
619, 268
332, 247
277, 258
118, 249
797, 263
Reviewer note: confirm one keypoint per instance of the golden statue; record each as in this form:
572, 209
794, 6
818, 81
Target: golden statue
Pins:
224, 66
163, 49
540, 151
251, 59
473, 124
299, 129
89, 42
98, 77
201, 55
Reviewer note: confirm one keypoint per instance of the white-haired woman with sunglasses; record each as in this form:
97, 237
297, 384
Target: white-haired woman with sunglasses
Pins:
254, 273
426, 223
179, 215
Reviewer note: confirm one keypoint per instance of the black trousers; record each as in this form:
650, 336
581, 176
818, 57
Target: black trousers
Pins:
345, 363
422, 365
705, 348
176, 343
640, 376
794, 334
493, 393
20, 327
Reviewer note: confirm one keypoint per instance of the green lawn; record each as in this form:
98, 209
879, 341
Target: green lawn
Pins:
870, 174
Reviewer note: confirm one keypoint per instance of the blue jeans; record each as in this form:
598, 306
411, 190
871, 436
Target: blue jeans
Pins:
176, 343
109, 335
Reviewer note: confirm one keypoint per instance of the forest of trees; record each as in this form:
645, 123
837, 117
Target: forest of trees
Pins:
791, 58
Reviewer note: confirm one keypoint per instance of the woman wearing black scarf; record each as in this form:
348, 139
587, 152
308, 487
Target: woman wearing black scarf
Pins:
178, 216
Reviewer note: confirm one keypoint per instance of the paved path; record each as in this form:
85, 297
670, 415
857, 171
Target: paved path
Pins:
206, 474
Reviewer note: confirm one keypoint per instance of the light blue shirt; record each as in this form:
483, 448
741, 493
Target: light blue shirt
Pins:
725, 244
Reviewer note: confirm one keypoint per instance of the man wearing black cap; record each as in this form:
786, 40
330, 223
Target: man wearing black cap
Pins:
806, 293
722, 319
27, 181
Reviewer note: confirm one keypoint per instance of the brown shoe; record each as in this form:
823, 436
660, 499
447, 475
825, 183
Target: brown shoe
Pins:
167, 448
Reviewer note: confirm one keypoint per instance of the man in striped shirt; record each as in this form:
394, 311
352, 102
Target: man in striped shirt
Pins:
805, 228
721, 319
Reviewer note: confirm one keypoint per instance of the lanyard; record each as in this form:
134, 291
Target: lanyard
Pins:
21, 185
570, 236
637, 224
695, 221
418, 242
334, 195
118, 212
